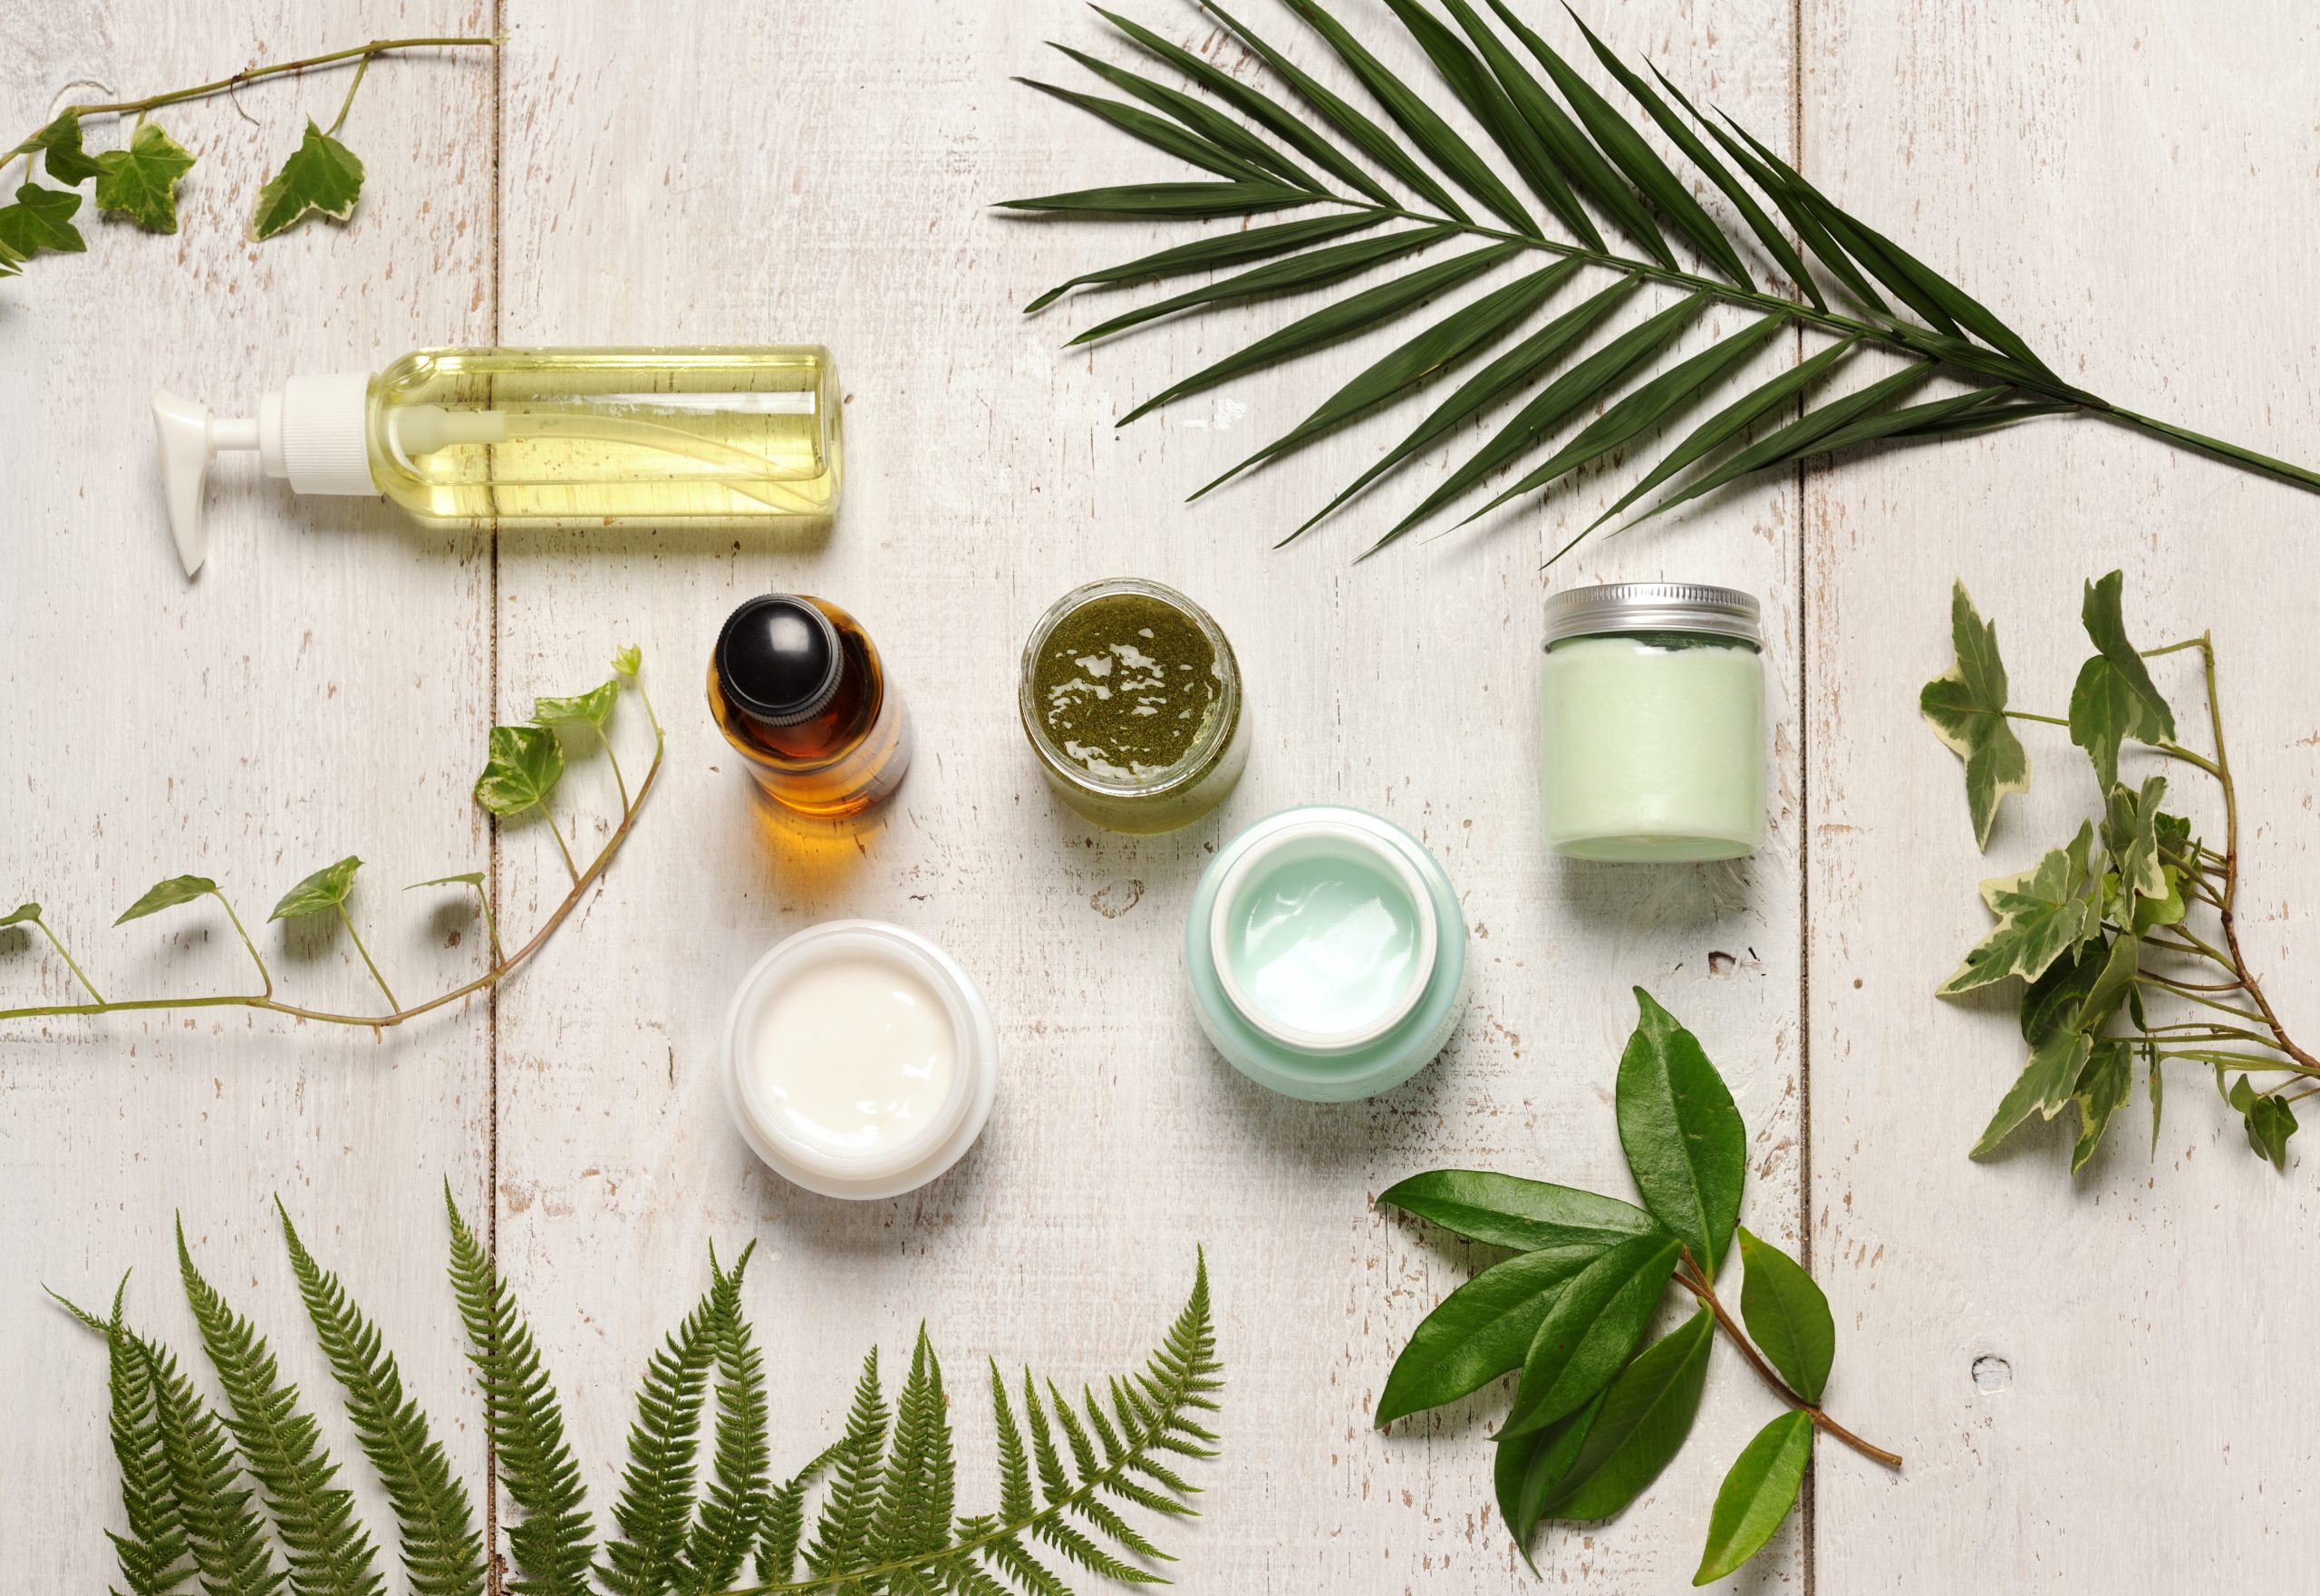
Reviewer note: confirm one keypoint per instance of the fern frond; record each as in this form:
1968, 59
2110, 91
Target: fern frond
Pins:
785, 1522
1015, 1501
551, 1542
733, 1507
919, 1490
222, 1530
443, 1549
656, 1499
855, 1471
154, 1556
1574, 148
328, 1550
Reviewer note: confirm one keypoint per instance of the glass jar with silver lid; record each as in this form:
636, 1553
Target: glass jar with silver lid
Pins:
1651, 723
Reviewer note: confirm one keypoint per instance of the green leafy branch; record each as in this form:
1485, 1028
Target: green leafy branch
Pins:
246, 1499
2101, 928
1594, 1419
522, 769
1617, 204
321, 177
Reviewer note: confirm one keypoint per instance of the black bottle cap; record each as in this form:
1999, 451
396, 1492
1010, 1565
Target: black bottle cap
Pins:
777, 659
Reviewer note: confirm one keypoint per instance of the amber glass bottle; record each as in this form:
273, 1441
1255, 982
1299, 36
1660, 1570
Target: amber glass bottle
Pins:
797, 688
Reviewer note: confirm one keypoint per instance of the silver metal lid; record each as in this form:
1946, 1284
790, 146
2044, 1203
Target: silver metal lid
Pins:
1654, 607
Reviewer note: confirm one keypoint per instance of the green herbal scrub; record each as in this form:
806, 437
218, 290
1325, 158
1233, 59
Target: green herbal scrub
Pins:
1132, 703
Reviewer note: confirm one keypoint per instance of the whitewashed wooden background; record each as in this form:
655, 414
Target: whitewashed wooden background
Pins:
2130, 181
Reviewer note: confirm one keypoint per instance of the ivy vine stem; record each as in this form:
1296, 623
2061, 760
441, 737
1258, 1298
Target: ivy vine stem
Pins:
1691, 1279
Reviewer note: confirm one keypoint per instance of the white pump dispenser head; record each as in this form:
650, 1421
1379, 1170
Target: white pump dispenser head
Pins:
312, 432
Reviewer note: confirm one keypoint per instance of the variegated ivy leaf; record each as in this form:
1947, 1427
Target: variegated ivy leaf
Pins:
2045, 1084
2130, 835
2113, 699
2166, 909
166, 895
592, 707
321, 177
326, 888
1966, 706
141, 181
2114, 977
2043, 913
2102, 1091
522, 768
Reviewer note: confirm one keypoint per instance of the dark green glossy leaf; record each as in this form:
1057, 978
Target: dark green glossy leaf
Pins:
1365, 135
1507, 1211
2112, 982
1966, 706
2103, 1088
2045, 1085
1351, 315
2269, 1121
1787, 1316
1434, 138
1757, 1496
1480, 92
1140, 200
326, 888
1646, 1416
1260, 158
1525, 362
1529, 1467
2044, 914
522, 765
1480, 1331
1455, 337
1728, 423
1254, 103
60, 152
1234, 248
168, 895
1800, 437
1292, 275
141, 181
1590, 1328
1695, 148
1670, 393
2053, 1001
1165, 136
1640, 162
41, 219
1555, 404
2113, 698
1684, 1139
592, 707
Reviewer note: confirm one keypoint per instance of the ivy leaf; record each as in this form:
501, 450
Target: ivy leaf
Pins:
2115, 978
2103, 1088
1529, 1467
59, 144
1480, 1331
1757, 1496
1645, 1417
521, 769
42, 218
2043, 913
1507, 1211
1966, 706
141, 181
2113, 699
2045, 1085
1684, 1140
592, 707
628, 661
1787, 1316
321, 176
2130, 835
2270, 1121
21, 915
464, 878
326, 888
166, 895
1590, 1331
2166, 909
2053, 1001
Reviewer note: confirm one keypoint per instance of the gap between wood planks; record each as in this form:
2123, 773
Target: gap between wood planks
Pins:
1808, 1520
491, 1005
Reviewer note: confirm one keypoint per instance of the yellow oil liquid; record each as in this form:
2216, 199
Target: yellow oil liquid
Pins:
732, 434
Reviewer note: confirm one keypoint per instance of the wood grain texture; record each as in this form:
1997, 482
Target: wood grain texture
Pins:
750, 173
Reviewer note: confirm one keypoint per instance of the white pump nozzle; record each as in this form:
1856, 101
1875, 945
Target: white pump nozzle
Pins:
311, 433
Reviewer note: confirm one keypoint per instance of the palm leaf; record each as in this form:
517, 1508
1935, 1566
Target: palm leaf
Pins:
1581, 155
1160, 133
1309, 270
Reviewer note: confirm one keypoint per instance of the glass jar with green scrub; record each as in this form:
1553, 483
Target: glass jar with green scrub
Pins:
1651, 723
1131, 700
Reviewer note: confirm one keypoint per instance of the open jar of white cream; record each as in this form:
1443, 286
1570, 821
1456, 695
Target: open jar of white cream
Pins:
1651, 723
860, 1060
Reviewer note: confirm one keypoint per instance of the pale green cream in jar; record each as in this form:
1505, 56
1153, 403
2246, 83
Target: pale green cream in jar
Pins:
1652, 720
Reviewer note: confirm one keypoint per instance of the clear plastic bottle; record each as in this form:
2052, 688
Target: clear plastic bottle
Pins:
678, 433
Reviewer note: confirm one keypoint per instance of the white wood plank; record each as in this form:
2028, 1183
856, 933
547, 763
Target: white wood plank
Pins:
322, 687
2111, 179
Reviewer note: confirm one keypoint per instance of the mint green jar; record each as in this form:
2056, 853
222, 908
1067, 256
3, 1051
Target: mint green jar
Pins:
1326, 954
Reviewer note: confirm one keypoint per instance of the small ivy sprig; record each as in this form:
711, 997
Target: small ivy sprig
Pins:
1594, 1419
521, 770
2103, 927
139, 181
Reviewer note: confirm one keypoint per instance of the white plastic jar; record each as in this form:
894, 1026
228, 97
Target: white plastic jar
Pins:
1651, 723
860, 1060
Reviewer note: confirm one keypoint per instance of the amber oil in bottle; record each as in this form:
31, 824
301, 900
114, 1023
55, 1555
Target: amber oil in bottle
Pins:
797, 687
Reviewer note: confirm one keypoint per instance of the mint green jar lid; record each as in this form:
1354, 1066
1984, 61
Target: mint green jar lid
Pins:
1326, 954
